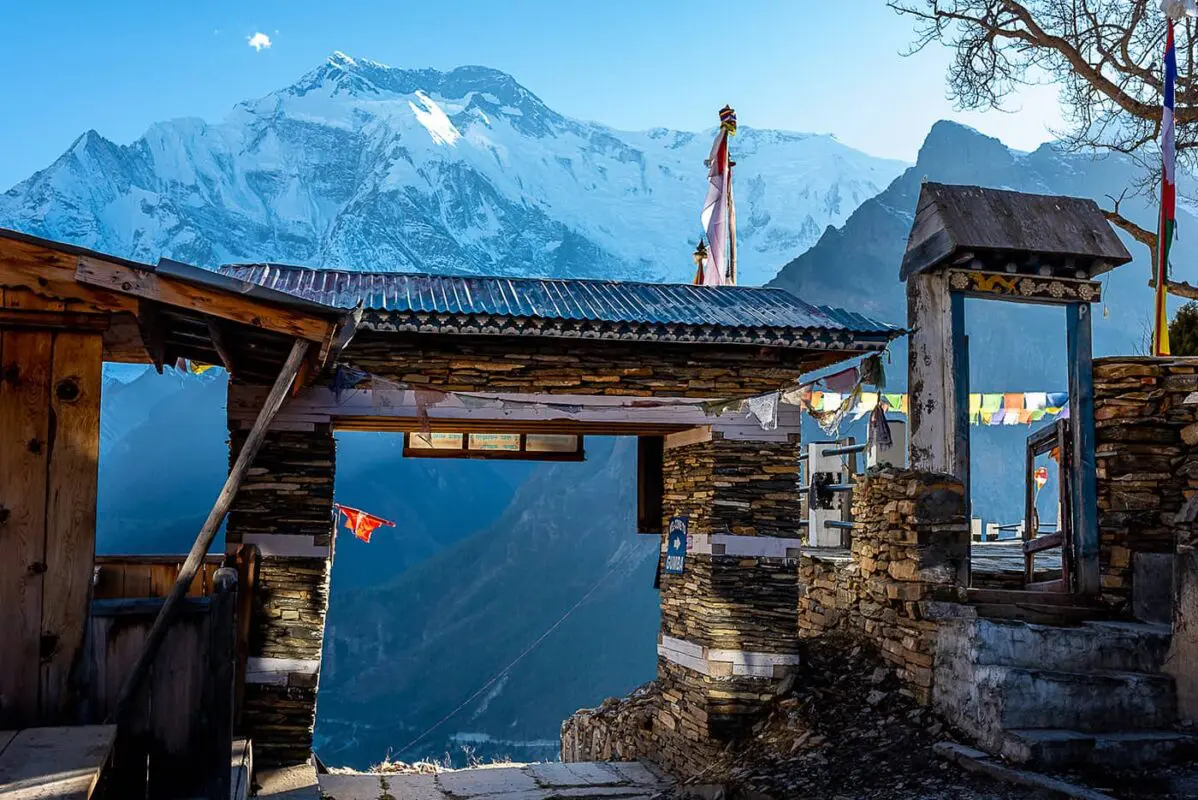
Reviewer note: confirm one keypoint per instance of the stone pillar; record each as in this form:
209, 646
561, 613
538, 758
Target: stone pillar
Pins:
729, 636
1147, 462
285, 508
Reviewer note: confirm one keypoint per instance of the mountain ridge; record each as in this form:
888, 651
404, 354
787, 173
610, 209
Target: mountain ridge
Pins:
361, 165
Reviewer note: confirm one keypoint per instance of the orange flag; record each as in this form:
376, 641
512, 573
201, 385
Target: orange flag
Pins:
361, 524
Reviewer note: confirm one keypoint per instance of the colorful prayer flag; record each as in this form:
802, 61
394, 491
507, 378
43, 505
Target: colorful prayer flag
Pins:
361, 524
1167, 221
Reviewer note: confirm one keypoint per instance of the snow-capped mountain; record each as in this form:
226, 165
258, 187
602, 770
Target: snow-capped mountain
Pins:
367, 166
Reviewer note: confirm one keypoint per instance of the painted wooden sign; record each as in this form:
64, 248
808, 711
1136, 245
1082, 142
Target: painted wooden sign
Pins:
676, 546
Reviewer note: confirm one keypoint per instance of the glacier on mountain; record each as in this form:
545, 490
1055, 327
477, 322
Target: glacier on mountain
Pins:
361, 165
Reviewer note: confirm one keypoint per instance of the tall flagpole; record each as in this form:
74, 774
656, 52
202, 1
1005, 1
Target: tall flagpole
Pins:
731, 228
1167, 220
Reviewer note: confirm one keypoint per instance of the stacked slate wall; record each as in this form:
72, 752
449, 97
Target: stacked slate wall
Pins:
1147, 462
906, 572
561, 366
729, 642
285, 508
1146, 420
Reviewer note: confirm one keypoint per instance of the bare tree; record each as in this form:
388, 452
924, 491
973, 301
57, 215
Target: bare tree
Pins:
1105, 55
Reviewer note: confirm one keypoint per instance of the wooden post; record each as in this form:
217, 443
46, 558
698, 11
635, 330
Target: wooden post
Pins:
731, 227
72, 472
253, 441
24, 430
961, 395
932, 375
219, 681
1083, 476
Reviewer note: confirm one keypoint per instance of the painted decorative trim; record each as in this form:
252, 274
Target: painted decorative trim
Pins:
285, 545
1032, 288
716, 663
728, 544
278, 671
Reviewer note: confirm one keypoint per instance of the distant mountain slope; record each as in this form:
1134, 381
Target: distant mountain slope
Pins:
402, 655
366, 166
1011, 347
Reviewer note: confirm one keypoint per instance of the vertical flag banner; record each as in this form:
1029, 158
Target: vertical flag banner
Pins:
1168, 217
715, 206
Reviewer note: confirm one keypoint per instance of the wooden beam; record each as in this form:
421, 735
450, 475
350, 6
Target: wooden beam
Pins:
153, 332
52, 320
682, 438
73, 458
1083, 467
50, 274
217, 335
253, 441
172, 291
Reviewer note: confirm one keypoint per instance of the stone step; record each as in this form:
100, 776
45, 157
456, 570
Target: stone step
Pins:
1062, 749
1019, 697
1092, 646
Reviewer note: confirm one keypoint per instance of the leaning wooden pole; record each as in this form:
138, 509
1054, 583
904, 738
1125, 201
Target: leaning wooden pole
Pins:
278, 393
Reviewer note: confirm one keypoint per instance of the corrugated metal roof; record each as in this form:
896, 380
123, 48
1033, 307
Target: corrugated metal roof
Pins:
557, 299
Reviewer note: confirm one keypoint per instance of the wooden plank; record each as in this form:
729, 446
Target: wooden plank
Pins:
50, 275
205, 300
1025, 597
73, 456
1046, 542
933, 373
686, 437
59, 763
176, 733
1031, 520
278, 393
24, 433
162, 578
960, 400
139, 581
53, 320
220, 679
122, 340
1057, 585
1083, 468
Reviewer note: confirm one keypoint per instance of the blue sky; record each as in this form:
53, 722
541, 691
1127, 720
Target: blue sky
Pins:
806, 65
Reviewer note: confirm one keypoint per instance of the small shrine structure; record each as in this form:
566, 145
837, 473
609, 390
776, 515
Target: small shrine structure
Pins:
992, 244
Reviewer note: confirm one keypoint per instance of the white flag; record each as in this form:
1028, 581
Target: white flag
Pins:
715, 211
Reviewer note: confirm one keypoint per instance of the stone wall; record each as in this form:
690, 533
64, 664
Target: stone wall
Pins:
1147, 459
285, 508
563, 366
908, 566
729, 642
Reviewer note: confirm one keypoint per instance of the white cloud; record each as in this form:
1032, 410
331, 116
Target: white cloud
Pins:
259, 41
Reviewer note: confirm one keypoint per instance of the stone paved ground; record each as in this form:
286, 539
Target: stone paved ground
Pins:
503, 782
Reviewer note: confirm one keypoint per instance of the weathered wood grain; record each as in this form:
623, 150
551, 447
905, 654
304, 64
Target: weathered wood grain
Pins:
174, 292
50, 275
24, 434
278, 393
58, 763
73, 455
